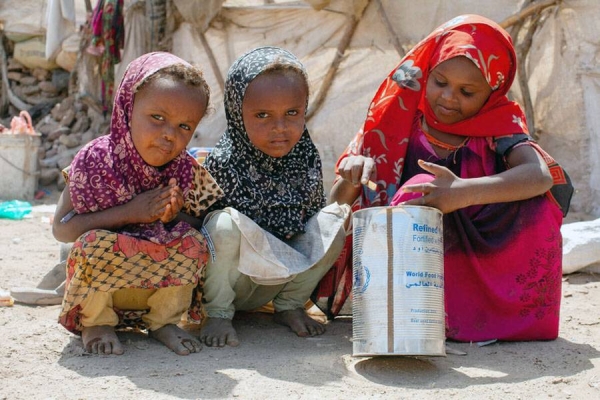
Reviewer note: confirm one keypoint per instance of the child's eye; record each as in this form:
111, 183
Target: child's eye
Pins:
262, 115
292, 112
440, 83
186, 127
158, 117
466, 93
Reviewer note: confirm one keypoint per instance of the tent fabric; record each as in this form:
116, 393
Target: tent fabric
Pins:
562, 65
566, 39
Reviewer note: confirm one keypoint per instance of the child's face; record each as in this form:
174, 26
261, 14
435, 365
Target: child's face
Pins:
273, 110
456, 90
165, 114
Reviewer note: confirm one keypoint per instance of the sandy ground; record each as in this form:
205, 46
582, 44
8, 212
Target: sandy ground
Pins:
41, 360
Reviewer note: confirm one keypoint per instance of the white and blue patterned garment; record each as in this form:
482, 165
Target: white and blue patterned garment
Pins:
279, 194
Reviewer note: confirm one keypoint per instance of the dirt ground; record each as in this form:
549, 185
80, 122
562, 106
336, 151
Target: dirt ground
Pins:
41, 360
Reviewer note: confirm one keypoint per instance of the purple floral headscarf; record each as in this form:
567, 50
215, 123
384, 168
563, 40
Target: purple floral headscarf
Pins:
109, 171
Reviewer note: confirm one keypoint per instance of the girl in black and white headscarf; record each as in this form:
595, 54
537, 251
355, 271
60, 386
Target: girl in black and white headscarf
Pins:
273, 238
278, 193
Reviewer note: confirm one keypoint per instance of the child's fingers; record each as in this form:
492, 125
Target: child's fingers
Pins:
423, 188
159, 192
163, 197
367, 170
166, 215
432, 168
356, 169
176, 192
176, 203
352, 169
170, 213
177, 198
417, 201
152, 200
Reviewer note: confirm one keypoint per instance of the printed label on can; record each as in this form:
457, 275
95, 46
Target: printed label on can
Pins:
398, 282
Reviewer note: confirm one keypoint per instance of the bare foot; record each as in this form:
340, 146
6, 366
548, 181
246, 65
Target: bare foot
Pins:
299, 322
177, 339
217, 332
101, 339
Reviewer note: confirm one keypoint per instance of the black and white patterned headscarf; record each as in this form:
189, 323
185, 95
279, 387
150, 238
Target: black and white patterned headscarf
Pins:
279, 194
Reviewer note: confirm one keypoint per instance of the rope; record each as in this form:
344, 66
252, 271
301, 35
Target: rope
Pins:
36, 173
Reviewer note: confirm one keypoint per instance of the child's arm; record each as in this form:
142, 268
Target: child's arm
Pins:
527, 177
194, 222
146, 207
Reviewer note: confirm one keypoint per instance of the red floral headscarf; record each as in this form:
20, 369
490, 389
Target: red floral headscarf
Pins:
391, 114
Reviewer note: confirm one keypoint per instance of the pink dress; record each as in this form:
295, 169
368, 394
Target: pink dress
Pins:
503, 261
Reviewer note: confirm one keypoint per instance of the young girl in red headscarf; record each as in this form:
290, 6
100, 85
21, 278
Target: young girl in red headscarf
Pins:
441, 132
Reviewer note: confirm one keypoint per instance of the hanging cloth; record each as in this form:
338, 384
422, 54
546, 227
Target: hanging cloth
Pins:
108, 39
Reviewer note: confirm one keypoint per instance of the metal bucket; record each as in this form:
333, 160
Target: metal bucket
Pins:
398, 288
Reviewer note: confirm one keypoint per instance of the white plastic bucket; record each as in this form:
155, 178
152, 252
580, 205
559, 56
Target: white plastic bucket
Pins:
19, 166
398, 288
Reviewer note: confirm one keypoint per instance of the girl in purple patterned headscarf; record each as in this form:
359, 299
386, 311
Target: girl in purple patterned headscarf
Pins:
134, 255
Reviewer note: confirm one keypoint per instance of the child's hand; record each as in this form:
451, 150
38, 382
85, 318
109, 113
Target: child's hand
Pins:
446, 192
175, 203
356, 169
150, 206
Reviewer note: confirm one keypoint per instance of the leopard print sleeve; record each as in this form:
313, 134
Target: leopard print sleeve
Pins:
204, 192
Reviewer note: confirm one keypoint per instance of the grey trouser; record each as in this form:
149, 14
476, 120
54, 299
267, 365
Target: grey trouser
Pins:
226, 289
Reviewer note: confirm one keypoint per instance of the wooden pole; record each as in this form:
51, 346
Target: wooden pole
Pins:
527, 11
335, 64
4, 83
390, 29
213, 62
533, 11
522, 52
10, 96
